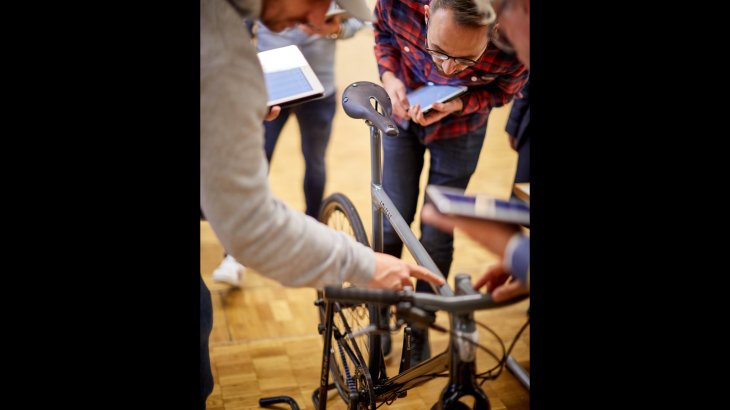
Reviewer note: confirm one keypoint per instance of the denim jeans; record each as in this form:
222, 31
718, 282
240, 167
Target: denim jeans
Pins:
453, 162
315, 125
206, 325
523, 160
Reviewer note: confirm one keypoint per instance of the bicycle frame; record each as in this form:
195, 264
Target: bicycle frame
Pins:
459, 359
383, 205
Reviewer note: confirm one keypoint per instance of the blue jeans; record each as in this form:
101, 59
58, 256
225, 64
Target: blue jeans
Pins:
315, 125
206, 325
523, 160
453, 162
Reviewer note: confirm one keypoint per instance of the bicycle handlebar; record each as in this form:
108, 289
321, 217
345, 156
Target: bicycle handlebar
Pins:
453, 304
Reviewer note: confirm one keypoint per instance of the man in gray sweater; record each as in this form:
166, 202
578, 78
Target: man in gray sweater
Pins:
257, 229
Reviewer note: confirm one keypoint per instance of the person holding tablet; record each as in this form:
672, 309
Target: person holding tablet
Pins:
444, 42
511, 277
252, 225
317, 44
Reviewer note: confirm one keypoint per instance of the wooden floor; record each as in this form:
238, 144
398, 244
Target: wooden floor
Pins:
264, 340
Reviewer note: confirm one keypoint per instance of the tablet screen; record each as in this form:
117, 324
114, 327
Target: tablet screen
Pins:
426, 96
288, 76
280, 84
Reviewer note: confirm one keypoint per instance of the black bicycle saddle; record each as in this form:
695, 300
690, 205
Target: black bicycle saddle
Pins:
356, 102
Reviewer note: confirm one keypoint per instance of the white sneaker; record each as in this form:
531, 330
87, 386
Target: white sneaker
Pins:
230, 272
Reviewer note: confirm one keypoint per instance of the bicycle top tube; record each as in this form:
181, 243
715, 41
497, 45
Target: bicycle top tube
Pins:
382, 201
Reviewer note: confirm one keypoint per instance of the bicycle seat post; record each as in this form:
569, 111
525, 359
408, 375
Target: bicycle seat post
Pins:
369, 101
376, 174
376, 182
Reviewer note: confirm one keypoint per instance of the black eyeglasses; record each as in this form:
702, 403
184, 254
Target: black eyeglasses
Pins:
443, 57
438, 55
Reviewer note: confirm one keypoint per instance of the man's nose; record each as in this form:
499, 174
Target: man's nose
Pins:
449, 66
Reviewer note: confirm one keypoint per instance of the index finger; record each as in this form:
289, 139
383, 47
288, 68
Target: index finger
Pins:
508, 291
419, 272
497, 274
273, 113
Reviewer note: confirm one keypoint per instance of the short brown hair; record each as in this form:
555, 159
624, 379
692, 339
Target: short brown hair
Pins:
466, 12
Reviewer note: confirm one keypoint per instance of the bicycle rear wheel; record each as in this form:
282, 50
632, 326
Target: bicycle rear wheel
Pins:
350, 359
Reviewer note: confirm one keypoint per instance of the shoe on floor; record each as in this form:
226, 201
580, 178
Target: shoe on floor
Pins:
230, 272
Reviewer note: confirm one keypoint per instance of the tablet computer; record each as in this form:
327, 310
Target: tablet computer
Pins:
289, 77
429, 94
454, 201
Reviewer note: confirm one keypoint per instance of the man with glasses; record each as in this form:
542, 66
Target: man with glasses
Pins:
511, 277
440, 42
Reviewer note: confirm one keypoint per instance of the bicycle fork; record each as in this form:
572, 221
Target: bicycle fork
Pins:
462, 358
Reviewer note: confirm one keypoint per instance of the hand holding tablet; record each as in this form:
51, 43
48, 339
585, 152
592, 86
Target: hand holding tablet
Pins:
289, 77
427, 95
453, 201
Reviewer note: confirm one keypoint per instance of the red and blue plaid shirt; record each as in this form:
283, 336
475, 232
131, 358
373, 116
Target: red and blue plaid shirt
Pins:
400, 47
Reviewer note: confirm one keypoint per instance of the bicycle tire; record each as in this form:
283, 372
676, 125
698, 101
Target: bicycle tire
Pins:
339, 203
339, 213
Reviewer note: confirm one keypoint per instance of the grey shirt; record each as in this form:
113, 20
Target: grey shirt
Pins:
257, 229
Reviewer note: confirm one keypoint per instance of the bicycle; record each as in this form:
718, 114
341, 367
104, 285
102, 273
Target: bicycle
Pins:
352, 351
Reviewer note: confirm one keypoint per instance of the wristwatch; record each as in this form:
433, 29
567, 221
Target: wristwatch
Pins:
335, 36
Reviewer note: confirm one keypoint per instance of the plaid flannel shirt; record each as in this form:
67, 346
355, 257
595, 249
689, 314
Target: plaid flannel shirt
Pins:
400, 47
